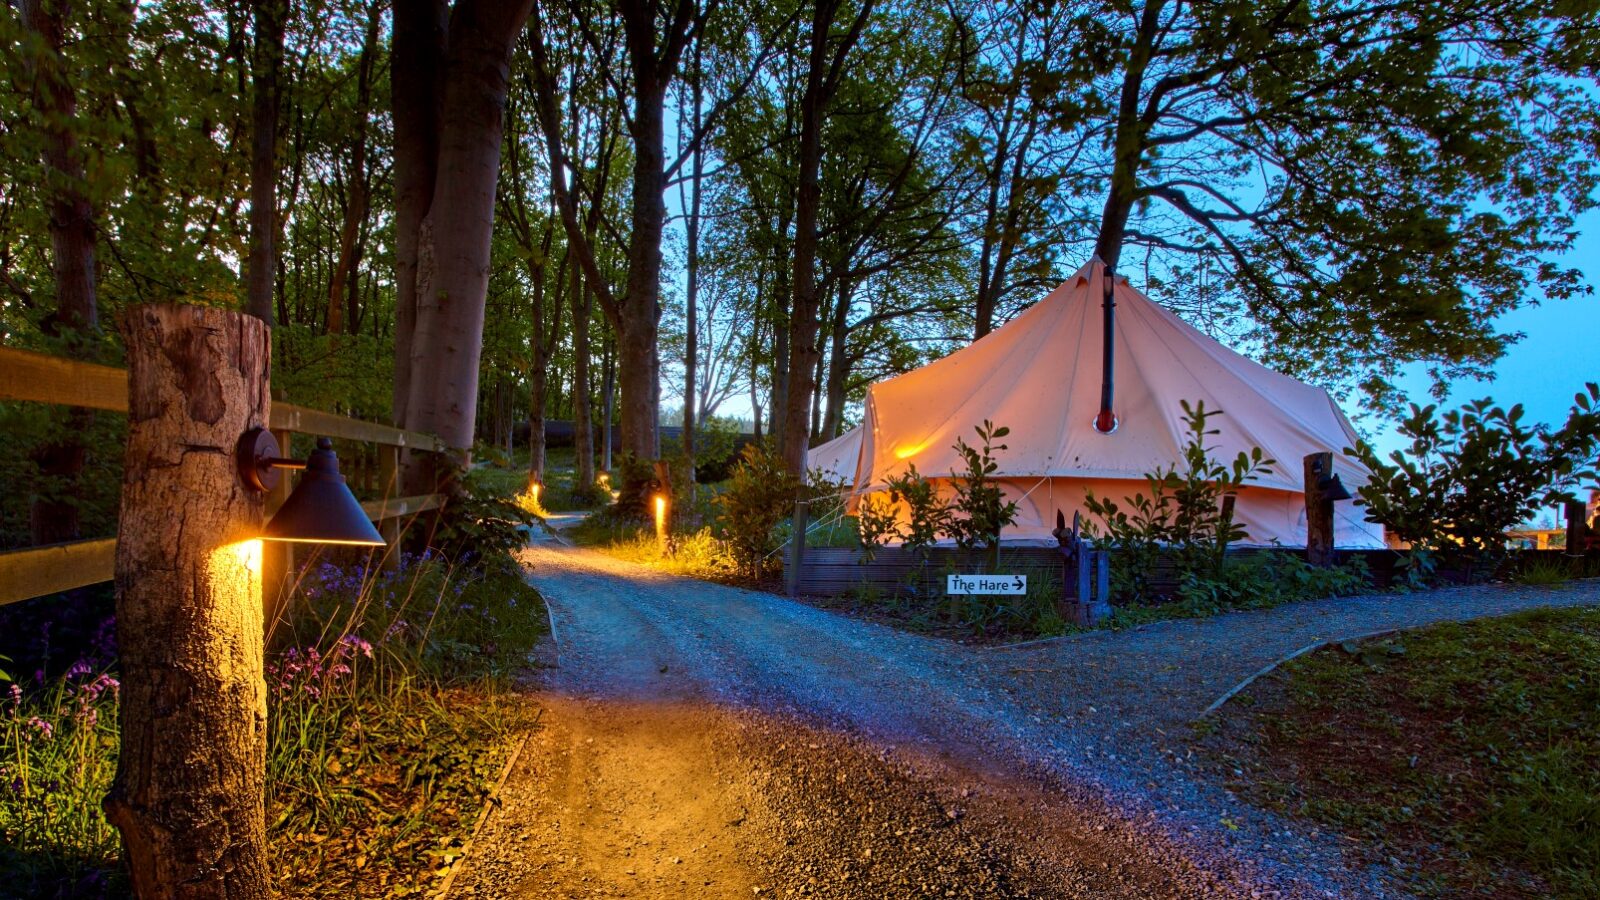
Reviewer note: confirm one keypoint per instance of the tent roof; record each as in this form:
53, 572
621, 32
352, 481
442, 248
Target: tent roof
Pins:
837, 458
1039, 375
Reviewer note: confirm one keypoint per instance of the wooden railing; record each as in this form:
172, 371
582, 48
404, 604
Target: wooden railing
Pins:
38, 378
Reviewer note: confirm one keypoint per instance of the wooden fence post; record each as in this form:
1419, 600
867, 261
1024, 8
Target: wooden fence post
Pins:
1319, 510
277, 557
797, 547
1577, 527
389, 489
189, 795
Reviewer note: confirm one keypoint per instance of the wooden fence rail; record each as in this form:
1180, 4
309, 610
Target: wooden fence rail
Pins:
39, 378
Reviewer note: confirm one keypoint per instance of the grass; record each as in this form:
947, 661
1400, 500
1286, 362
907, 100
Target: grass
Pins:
390, 715
1469, 753
690, 554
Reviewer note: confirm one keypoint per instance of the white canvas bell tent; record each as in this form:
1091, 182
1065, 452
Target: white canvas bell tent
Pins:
836, 460
1040, 376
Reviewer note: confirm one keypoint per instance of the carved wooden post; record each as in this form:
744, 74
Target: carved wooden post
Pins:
189, 793
1319, 510
797, 547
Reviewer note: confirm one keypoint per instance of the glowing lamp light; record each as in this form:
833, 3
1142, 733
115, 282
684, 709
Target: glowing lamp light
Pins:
321, 510
661, 519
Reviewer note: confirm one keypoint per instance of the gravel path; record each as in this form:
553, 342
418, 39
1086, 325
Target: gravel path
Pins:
1090, 727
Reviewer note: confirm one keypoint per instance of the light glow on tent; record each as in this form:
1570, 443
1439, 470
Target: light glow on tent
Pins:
910, 450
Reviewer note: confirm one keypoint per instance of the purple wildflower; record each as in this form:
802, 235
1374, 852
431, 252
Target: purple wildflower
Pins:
355, 643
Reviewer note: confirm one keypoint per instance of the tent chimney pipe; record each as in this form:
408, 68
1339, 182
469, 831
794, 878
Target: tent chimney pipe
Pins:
1105, 421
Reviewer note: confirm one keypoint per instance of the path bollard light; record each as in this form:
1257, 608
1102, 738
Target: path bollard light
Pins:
321, 510
661, 522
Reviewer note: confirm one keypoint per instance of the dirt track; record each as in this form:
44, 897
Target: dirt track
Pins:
685, 799
702, 741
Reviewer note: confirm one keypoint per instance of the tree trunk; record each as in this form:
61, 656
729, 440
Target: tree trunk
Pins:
608, 389
266, 61
342, 288
453, 240
822, 78
838, 367
641, 311
53, 512
692, 294
189, 795
416, 86
1129, 143
539, 378
582, 414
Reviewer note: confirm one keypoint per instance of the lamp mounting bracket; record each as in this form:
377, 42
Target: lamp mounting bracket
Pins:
259, 462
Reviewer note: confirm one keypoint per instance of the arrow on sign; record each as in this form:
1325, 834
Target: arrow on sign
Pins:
1016, 583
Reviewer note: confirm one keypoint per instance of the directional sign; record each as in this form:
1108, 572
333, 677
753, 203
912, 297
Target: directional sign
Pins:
986, 584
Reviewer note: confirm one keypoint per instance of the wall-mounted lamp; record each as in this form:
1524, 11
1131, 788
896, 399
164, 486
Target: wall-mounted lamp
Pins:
321, 510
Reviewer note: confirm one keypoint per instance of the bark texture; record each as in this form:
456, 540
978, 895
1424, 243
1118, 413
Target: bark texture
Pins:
265, 63
453, 241
825, 68
189, 793
416, 85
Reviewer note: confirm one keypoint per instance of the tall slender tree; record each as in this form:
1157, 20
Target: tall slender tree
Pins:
458, 68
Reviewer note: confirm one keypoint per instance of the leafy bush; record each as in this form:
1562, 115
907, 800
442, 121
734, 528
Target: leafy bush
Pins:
876, 523
1184, 515
927, 515
476, 523
1265, 580
980, 504
1470, 474
758, 497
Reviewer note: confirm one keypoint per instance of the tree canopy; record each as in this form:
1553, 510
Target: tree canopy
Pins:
494, 212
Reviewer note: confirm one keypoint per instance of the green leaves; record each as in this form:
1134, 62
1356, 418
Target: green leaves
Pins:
758, 498
1183, 515
981, 510
1472, 473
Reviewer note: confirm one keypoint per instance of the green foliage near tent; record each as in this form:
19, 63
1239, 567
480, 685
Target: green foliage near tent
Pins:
1472, 473
1183, 518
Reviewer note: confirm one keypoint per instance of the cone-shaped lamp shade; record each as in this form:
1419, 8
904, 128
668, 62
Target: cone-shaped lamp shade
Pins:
321, 510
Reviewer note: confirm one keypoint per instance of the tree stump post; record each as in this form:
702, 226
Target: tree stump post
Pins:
189, 795
1319, 510
1577, 526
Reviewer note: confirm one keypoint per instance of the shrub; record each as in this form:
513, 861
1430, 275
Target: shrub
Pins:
1472, 473
1265, 580
927, 515
759, 496
1184, 514
479, 524
877, 523
979, 502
